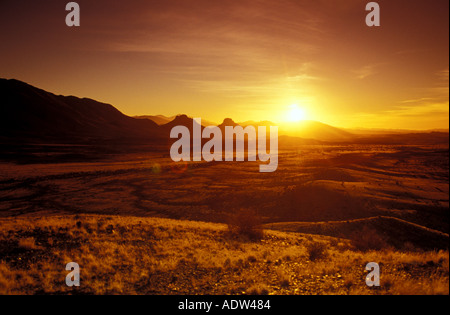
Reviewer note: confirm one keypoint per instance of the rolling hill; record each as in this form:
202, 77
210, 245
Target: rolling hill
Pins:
395, 232
29, 114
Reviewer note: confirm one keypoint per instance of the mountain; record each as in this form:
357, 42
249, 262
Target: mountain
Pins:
32, 115
29, 114
158, 119
306, 131
309, 129
180, 120
264, 123
162, 120
412, 138
227, 122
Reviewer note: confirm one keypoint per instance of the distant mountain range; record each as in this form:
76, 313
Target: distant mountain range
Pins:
162, 120
304, 129
31, 115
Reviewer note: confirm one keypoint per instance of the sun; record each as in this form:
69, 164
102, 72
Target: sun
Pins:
296, 113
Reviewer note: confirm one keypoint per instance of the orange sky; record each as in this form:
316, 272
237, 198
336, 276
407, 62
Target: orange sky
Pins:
246, 59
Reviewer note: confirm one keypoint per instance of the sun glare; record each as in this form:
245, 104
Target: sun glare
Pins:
296, 113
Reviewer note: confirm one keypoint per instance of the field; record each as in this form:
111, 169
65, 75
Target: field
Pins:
139, 224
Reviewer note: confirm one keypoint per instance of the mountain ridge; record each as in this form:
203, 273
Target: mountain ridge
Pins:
30, 114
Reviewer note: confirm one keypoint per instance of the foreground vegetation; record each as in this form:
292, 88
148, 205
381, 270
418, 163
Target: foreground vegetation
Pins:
131, 255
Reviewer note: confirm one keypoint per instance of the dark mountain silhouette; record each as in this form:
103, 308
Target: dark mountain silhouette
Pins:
188, 122
162, 120
159, 119
31, 114
227, 122
180, 120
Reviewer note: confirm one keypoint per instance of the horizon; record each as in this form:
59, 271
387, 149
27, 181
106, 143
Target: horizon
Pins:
253, 60
215, 123
300, 121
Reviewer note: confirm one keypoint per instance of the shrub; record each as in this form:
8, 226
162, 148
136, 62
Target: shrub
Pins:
368, 239
283, 278
246, 223
316, 251
258, 289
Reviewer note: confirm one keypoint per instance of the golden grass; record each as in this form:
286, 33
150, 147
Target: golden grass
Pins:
131, 255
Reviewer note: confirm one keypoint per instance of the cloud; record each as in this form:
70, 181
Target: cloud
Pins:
365, 72
443, 75
418, 100
425, 110
215, 41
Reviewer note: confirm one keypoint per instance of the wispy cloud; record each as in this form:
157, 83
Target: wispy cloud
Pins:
365, 71
443, 75
418, 100
140, 54
227, 42
423, 110
434, 102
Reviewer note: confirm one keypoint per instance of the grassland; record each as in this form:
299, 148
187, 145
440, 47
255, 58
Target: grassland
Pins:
137, 224
130, 255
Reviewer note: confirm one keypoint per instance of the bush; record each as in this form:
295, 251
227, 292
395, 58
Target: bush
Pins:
246, 223
258, 289
316, 251
368, 239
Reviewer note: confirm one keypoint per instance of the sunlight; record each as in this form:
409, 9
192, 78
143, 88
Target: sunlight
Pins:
296, 113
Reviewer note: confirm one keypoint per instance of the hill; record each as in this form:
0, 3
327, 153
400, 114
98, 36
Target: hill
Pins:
410, 138
162, 120
158, 119
309, 129
388, 231
180, 120
29, 114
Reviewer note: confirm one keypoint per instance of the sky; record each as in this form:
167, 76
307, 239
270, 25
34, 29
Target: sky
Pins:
243, 59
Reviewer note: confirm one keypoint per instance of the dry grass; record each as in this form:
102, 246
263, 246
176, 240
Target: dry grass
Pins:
129, 255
